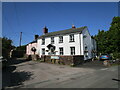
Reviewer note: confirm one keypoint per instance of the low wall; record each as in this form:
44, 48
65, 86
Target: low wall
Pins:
65, 60
32, 57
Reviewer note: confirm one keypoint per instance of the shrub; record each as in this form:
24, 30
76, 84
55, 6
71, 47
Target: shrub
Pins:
116, 55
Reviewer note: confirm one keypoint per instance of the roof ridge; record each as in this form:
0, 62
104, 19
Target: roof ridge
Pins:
66, 31
69, 29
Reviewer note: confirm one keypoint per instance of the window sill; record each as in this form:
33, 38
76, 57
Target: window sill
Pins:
71, 41
60, 42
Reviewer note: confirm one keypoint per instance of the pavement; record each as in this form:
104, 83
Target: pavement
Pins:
33, 74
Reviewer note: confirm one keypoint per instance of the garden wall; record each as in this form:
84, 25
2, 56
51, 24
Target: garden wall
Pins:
65, 60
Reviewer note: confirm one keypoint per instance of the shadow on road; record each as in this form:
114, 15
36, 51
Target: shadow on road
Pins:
16, 61
11, 77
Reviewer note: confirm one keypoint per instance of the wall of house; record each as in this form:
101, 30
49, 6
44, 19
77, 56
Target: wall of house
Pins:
66, 44
28, 49
94, 46
87, 41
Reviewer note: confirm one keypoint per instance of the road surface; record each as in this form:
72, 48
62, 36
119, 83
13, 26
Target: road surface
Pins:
31, 74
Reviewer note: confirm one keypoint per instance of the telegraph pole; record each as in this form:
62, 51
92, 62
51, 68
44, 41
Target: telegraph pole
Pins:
20, 38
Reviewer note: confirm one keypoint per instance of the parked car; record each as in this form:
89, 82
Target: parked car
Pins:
105, 57
3, 62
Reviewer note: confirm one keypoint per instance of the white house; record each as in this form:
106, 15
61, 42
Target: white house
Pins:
73, 41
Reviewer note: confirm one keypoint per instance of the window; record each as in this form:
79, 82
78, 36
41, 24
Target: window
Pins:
85, 48
52, 40
43, 51
43, 41
61, 50
72, 50
60, 39
84, 36
72, 38
86, 51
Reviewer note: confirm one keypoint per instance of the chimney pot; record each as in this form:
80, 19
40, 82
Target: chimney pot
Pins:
36, 37
45, 30
73, 26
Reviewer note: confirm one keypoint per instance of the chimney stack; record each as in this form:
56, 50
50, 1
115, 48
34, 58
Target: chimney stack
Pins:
73, 26
45, 30
36, 37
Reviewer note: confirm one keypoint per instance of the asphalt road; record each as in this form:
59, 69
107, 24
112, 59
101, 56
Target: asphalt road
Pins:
33, 74
105, 78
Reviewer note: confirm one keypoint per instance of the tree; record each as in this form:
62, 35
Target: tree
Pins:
21, 48
6, 46
109, 41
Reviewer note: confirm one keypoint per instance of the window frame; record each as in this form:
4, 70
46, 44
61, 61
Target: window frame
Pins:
52, 40
72, 50
60, 39
42, 51
61, 51
43, 41
71, 38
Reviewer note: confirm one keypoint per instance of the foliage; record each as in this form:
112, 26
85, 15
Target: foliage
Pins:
109, 41
6, 46
21, 48
19, 51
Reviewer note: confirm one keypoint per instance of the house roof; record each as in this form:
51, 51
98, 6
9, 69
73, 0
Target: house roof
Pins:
32, 42
62, 32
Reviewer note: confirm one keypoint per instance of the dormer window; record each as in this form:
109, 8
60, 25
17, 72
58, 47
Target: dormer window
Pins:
52, 40
43, 41
60, 39
72, 38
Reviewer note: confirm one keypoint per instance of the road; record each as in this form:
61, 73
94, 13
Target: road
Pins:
33, 74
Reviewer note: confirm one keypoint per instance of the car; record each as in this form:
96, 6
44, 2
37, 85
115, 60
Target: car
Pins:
105, 57
3, 61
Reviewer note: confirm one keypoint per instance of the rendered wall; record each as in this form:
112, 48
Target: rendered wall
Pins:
66, 44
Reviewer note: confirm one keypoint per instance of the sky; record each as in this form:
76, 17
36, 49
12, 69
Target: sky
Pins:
31, 17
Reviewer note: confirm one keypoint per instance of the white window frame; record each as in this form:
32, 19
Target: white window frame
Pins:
60, 39
61, 50
71, 36
43, 41
43, 51
72, 50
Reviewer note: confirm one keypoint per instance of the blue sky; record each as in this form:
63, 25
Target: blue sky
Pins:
31, 17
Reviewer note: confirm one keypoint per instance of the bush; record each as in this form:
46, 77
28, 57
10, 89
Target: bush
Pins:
116, 55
